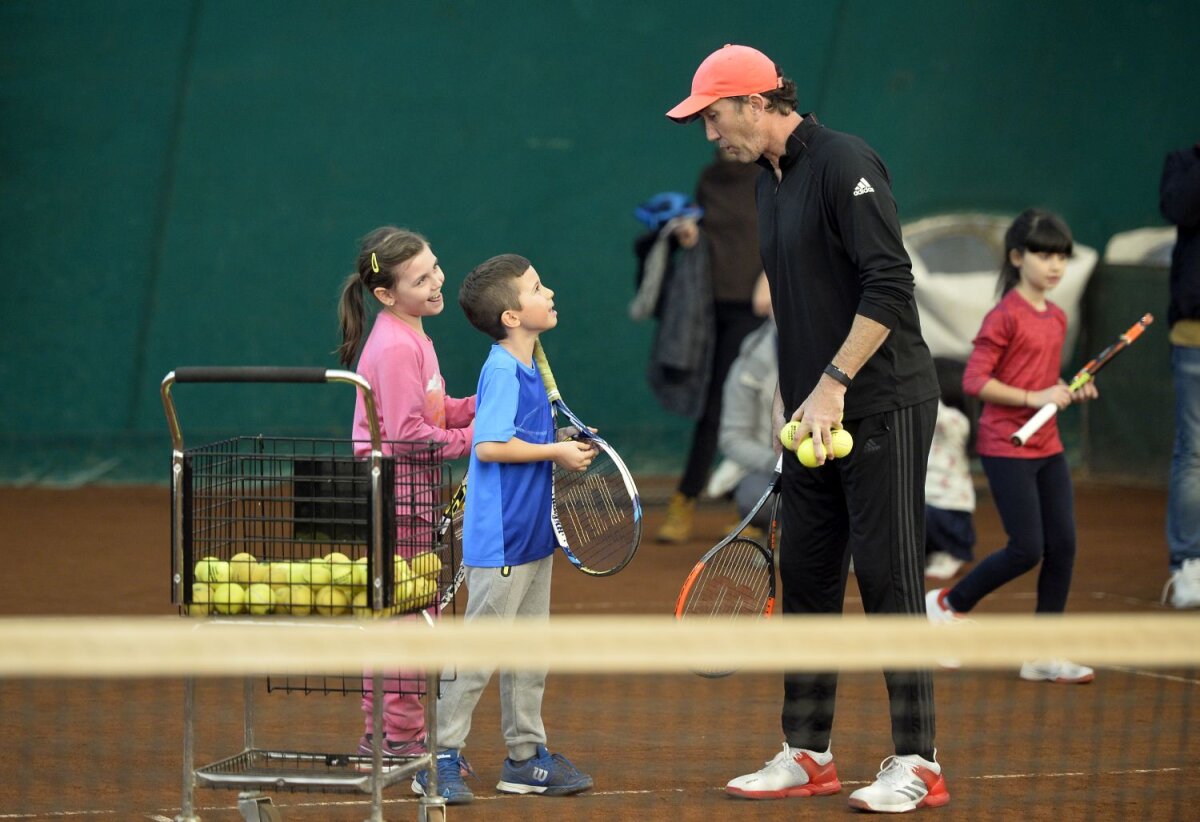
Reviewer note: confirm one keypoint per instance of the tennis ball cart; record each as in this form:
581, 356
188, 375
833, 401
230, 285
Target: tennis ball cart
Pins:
274, 530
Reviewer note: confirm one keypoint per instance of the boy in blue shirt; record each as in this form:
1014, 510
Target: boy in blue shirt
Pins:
508, 538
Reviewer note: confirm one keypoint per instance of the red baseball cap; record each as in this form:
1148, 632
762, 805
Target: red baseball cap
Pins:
731, 71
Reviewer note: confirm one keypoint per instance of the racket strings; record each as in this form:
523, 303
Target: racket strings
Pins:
597, 514
734, 582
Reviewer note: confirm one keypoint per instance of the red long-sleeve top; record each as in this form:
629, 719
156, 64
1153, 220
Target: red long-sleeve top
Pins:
1022, 347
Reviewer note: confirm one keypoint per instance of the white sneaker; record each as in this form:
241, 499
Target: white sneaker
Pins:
1184, 585
1057, 670
793, 772
938, 610
942, 565
904, 783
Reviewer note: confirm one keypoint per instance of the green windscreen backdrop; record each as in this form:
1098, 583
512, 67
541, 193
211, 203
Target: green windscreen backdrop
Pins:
184, 183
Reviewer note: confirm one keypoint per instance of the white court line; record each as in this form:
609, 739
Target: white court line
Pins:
506, 797
1152, 674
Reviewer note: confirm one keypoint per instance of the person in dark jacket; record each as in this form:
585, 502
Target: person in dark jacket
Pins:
1179, 200
731, 266
850, 354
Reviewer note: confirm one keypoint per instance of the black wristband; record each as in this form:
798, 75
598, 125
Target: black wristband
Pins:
838, 374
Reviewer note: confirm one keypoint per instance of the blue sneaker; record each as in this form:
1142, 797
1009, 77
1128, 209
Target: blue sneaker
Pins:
545, 773
450, 769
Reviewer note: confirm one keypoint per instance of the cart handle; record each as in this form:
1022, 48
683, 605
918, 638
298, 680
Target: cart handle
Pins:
264, 373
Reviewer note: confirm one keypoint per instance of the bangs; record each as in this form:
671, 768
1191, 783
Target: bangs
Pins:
1050, 235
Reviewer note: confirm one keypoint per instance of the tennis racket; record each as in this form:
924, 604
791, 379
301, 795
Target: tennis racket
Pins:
1082, 378
735, 579
597, 513
450, 527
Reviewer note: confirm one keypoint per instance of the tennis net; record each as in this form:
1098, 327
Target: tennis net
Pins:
92, 712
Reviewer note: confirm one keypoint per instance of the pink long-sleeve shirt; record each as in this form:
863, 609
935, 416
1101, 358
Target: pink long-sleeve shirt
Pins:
1022, 347
400, 364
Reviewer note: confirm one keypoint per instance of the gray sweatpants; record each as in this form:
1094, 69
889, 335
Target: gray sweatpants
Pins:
501, 593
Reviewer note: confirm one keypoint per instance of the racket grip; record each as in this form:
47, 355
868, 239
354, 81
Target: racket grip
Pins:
1035, 422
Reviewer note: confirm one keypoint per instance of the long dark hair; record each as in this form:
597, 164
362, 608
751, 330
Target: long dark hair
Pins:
380, 255
1033, 230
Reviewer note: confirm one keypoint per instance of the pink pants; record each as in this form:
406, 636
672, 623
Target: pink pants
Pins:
403, 713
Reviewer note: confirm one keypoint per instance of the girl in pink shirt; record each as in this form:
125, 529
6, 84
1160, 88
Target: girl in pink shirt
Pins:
399, 270
1014, 369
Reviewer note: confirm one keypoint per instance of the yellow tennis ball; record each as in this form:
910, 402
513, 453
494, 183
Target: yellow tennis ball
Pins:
279, 573
212, 570
405, 595
260, 572
806, 453
358, 573
360, 606
330, 601
319, 573
260, 599
425, 589
787, 435
341, 569
299, 573
229, 598
201, 600
403, 571
842, 442
425, 564
241, 567
293, 599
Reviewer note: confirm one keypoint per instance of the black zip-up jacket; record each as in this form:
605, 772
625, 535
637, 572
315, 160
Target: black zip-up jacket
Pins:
831, 247
1179, 200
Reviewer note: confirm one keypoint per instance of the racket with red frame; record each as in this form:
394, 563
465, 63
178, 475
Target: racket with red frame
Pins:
735, 579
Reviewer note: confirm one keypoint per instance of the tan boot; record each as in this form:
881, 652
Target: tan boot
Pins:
678, 525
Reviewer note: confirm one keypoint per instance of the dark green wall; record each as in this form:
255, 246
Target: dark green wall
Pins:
184, 182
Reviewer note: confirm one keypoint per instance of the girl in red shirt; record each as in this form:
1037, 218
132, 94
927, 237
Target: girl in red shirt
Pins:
1014, 369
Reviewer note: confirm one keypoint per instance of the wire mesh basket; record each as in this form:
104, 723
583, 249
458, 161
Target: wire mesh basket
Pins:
283, 526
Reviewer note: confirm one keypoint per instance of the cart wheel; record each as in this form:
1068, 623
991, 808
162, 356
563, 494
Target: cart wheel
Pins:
431, 812
256, 807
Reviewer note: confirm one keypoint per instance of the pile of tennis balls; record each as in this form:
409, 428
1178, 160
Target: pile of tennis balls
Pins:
332, 585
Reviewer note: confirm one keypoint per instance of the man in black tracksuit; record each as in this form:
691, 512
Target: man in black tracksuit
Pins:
851, 354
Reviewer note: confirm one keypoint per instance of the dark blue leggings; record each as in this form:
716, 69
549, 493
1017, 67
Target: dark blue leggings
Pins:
1037, 506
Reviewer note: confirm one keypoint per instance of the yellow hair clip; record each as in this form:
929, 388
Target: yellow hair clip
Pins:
374, 263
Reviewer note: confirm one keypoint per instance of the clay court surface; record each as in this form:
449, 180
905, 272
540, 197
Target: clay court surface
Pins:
660, 748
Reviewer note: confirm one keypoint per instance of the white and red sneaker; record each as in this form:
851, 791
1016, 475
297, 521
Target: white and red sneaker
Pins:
793, 772
938, 610
904, 783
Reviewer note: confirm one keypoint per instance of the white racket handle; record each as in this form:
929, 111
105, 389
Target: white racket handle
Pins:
1035, 422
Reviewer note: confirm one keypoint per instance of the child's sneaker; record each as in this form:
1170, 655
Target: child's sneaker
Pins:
544, 773
391, 747
942, 565
1057, 670
904, 783
793, 772
450, 769
937, 609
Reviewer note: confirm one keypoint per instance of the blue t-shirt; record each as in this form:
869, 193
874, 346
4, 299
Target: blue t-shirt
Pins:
507, 516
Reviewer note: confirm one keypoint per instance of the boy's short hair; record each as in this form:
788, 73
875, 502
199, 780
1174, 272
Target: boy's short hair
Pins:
489, 291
